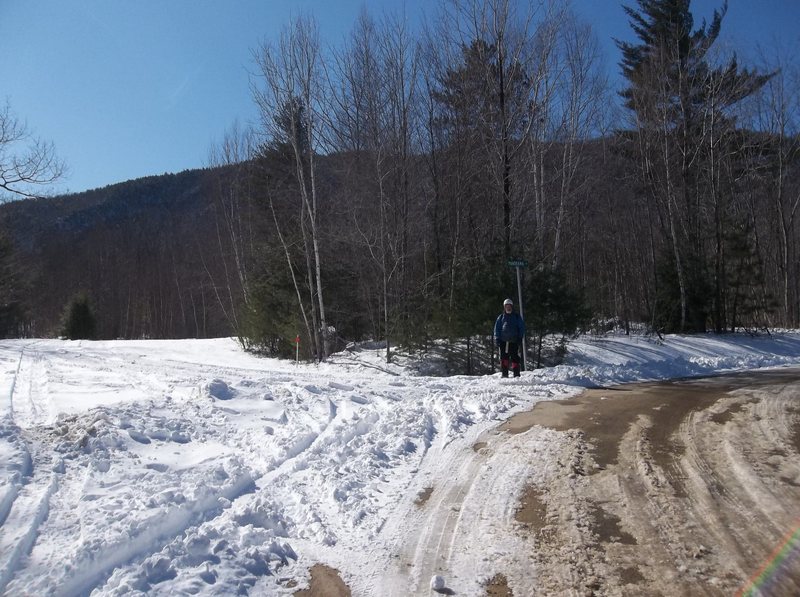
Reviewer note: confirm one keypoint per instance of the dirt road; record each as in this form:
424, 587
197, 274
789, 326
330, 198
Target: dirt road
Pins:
682, 488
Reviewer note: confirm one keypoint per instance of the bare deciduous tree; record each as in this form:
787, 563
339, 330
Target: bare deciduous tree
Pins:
235, 218
375, 107
775, 114
26, 162
292, 105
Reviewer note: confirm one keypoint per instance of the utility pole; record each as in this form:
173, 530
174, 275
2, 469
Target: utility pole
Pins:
518, 264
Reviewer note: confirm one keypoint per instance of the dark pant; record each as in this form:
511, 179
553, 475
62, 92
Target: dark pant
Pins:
509, 357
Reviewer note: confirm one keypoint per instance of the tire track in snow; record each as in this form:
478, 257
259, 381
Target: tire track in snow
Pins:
433, 548
10, 433
14, 382
445, 534
29, 409
26, 502
10, 492
91, 572
29, 510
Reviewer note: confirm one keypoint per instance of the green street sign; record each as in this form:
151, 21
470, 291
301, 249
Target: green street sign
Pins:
517, 263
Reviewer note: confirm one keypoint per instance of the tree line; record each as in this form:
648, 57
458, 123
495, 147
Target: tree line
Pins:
390, 179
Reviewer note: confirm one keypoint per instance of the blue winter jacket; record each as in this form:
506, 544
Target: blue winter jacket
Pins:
509, 327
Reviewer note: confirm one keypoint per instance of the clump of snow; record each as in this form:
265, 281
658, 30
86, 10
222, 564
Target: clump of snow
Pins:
220, 390
172, 467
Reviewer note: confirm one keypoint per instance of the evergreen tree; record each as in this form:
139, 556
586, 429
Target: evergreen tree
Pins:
79, 320
271, 321
472, 316
669, 317
747, 299
681, 104
290, 130
483, 104
552, 308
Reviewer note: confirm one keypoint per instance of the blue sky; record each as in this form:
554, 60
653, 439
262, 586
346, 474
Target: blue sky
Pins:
130, 88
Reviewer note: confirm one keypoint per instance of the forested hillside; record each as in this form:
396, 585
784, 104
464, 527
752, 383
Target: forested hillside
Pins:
391, 179
141, 250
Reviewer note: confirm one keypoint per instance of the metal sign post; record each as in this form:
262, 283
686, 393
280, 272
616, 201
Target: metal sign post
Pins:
518, 264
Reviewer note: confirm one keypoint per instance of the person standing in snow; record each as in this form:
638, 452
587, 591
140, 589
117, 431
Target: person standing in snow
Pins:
509, 330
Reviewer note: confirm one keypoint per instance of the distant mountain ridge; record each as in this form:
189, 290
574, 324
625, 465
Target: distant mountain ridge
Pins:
30, 221
139, 248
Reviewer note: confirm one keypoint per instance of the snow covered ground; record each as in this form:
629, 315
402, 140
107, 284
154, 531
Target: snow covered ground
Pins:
192, 467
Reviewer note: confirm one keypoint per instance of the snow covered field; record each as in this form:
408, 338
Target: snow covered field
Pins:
192, 467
